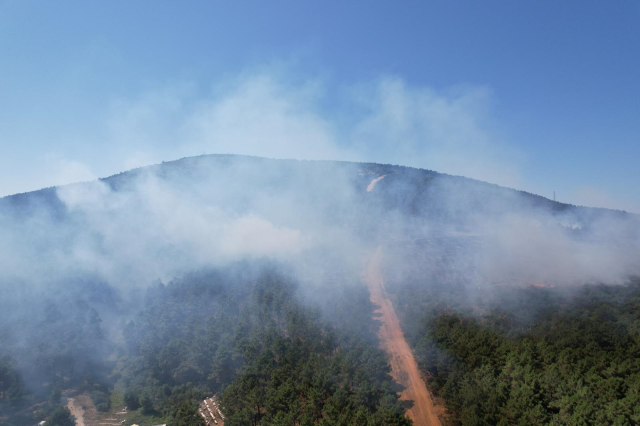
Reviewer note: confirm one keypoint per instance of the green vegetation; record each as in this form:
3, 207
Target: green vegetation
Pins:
67, 348
279, 353
13, 395
61, 416
274, 359
246, 332
532, 356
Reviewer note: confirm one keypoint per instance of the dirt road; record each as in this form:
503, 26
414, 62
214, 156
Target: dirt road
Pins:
404, 369
76, 411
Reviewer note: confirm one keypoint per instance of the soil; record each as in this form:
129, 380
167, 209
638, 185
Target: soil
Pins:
85, 412
372, 184
404, 370
76, 410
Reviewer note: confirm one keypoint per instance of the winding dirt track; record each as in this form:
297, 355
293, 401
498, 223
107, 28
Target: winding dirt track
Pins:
404, 369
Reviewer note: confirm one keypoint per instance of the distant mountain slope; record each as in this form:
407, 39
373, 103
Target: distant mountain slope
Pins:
408, 189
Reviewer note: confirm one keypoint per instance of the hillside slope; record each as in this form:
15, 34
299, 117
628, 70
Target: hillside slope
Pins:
165, 283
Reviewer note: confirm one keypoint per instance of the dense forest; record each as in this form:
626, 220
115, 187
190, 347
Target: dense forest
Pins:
246, 332
526, 355
275, 359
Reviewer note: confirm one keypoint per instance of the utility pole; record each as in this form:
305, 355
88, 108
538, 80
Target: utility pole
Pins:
554, 195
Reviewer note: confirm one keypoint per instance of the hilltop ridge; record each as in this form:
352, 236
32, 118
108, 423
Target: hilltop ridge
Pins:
410, 181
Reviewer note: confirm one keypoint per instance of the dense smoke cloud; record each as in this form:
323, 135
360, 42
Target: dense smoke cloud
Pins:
157, 229
162, 221
537, 248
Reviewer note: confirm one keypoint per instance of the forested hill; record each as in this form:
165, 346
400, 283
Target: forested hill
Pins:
241, 276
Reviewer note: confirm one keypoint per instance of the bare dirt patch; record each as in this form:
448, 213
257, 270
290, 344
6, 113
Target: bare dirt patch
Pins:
83, 409
75, 406
80, 405
372, 184
404, 369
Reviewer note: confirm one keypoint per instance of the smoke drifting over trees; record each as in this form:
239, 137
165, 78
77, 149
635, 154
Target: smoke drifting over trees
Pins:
160, 220
104, 284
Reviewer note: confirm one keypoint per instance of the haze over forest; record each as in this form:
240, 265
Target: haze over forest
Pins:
319, 214
169, 283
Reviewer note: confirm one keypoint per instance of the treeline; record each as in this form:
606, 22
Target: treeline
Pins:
532, 356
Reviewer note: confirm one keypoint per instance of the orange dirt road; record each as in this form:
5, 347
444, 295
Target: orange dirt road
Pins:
404, 369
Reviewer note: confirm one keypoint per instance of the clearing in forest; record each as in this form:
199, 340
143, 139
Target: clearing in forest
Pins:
83, 409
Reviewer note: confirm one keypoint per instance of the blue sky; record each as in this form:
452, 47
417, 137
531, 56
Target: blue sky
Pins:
537, 95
